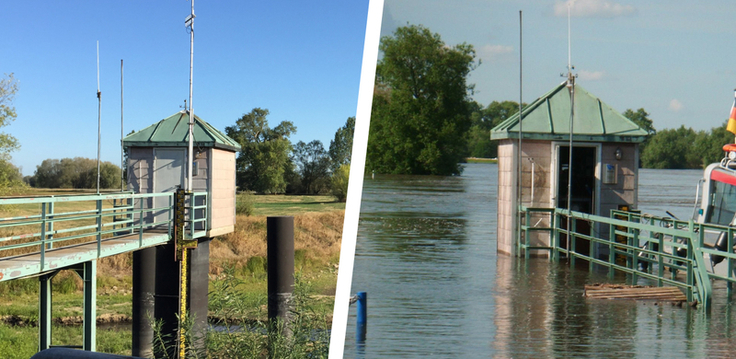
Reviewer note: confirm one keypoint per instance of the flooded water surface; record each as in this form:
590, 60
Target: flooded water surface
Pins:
426, 256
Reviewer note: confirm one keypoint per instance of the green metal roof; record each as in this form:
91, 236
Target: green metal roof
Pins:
548, 118
173, 131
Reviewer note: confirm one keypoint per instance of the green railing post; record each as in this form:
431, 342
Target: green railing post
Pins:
140, 222
572, 252
99, 227
660, 259
527, 220
635, 257
43, 235
51, 225
170, 212
611, 248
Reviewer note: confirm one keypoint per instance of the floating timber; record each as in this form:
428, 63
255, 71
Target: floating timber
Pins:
616, 291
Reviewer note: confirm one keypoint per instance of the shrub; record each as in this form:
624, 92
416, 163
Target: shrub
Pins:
244, 204
339, 182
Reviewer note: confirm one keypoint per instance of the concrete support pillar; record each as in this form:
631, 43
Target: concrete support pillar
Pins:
44, 311
144, 287
89, 321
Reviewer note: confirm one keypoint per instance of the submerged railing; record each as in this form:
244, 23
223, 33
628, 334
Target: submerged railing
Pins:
664, 250
47, 223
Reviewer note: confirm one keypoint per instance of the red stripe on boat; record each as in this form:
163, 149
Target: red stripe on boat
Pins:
723, 177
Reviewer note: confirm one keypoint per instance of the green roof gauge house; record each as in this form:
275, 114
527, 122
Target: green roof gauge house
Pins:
604, 164
157, 162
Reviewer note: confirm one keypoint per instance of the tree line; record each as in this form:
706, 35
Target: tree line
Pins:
268, 162
424, 120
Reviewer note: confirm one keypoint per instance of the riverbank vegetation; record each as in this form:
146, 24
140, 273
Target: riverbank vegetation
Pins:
425, 121
237, 266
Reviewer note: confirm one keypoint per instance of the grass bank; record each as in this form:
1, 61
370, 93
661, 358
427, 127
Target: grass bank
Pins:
318, 225
480, 160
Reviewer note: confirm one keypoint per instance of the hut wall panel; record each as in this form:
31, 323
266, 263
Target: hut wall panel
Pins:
140, 180
223, 189
506, 213
624, 191
140, 162
539, 152
200, 180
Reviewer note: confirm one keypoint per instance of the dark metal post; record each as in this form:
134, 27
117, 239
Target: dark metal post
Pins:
280, 241
166, 307
144, 287
199, 263
362, 317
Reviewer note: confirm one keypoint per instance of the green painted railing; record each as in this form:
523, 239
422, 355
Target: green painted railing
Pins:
666, 251
56, 221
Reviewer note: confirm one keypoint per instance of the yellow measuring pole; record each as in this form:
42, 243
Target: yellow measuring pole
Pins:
183, 307
182, 247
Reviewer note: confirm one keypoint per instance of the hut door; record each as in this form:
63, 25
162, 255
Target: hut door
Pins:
583, 185
168, 174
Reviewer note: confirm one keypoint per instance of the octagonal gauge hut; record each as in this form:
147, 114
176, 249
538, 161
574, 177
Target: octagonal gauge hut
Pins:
157, 162
157, 158
605, 162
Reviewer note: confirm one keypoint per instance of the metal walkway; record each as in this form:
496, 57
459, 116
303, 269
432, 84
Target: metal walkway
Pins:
665, 251
45, 235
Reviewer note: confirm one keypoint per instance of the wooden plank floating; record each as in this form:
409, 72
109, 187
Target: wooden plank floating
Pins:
635, 292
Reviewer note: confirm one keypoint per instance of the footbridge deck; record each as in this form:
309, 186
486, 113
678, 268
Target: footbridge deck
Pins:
46, 234
43, 235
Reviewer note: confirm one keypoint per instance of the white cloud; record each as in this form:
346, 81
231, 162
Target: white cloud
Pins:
592, 8
591, 75
675, 105
491, 52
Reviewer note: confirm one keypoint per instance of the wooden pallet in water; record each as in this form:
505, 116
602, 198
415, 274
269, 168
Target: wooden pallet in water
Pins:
616, 291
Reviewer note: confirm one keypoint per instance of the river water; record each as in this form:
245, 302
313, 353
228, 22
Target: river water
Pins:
426, 256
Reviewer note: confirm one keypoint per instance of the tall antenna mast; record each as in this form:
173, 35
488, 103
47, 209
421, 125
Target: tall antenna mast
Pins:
189, 22
99, 113
518, 159
571, 87
122, 149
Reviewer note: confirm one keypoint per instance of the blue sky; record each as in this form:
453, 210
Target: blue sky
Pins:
673, 58
300, 60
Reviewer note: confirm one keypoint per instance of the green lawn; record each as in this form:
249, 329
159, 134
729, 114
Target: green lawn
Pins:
276, 205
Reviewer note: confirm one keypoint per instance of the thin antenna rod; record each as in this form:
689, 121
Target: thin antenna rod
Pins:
518, 159
569, 46
122, 149
99, 115
571, 88
190, 23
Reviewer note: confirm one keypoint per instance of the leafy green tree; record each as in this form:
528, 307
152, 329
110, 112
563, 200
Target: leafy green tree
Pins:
641, 118
8, 88
75, 172
483, 120
421, 108
672, 149
341, 146
709, 145
262, 161
313, 166
339, 182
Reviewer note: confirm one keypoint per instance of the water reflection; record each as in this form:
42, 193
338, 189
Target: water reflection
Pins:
426, 255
